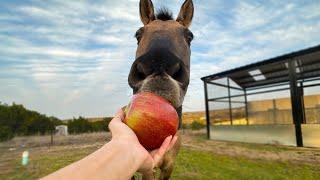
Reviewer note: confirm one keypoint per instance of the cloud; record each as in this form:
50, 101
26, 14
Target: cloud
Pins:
70, 58
251, 32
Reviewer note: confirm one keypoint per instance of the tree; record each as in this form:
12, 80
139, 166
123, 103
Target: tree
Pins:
195, 125
17, 120
5, 133
80, 125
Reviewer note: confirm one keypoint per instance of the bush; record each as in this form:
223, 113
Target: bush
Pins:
100, 125
185, 126
195, 125
5, 133
82, 125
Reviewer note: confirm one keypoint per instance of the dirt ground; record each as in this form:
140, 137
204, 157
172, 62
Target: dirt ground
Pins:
190, 139
199, 158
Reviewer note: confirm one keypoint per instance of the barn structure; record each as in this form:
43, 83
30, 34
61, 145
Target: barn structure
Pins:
273, 101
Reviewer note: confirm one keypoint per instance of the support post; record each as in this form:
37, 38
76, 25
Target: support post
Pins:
295, 103
302, 103
230, 106
207, 108
246, 106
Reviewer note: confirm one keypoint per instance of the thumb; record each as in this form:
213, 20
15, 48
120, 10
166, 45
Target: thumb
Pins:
119, 116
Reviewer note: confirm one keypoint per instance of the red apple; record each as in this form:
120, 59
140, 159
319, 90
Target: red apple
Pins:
152, 118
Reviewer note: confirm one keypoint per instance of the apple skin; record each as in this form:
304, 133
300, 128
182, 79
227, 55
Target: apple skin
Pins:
152, 118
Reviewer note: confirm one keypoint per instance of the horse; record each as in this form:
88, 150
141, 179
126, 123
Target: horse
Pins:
162, 63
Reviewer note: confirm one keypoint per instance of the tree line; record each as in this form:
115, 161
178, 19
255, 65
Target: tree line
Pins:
82, 125
16, 120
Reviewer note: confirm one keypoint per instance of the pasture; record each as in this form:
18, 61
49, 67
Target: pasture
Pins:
198, 159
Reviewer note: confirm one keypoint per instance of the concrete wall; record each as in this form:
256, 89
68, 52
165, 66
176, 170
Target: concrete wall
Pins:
265, 134
311, 135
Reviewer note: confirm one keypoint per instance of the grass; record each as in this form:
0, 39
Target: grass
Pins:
192, 163
43, 163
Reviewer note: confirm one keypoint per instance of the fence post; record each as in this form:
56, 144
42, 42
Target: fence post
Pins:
207, 108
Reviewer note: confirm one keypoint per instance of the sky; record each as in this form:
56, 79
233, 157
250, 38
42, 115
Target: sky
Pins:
71, 58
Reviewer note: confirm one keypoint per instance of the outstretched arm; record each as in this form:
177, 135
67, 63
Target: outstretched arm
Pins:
118, 159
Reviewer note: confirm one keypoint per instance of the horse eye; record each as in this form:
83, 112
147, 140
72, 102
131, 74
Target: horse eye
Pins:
189, 37
138, 34
138, 37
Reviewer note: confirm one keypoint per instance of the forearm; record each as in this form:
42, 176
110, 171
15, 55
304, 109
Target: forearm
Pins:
115, 160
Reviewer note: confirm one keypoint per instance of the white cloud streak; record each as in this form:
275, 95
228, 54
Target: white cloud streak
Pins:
70, 58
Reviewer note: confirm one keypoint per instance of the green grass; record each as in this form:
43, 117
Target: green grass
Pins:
43, 163
193, 164
190, 164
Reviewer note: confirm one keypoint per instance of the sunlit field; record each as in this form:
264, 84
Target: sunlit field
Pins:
198, 159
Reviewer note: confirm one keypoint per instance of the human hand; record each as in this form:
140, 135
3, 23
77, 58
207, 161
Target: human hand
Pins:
121, 133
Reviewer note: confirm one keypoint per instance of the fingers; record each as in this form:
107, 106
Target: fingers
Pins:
162, 150
173, 142
164, 146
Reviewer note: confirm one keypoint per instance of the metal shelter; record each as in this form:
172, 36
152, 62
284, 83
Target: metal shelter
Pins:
292, 72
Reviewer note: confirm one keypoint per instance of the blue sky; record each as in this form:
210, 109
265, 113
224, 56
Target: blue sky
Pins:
71, 58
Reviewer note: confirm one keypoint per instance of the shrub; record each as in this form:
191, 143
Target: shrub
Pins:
82, 125
195, 125
101, 125
185, 126
5, 133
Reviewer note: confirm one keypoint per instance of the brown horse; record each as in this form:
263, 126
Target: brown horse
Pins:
162, 64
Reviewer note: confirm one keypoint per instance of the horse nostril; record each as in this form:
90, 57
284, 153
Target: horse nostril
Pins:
177, 72
141, 74
173, 69
136, 76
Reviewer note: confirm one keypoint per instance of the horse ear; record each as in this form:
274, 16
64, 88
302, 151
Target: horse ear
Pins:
186, 13
146, 11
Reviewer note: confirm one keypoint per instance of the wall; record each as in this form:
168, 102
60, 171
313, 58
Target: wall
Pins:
270, 122
311, 135
265, 134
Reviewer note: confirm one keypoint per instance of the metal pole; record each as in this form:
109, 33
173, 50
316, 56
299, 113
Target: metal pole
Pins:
260, 92
207, 108
230, 106
302, 103
295, 103
222, 85
246, 106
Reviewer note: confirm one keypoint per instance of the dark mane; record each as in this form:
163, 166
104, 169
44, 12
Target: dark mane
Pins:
164, 14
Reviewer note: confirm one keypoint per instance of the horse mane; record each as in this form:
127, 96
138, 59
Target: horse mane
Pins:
164, 14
